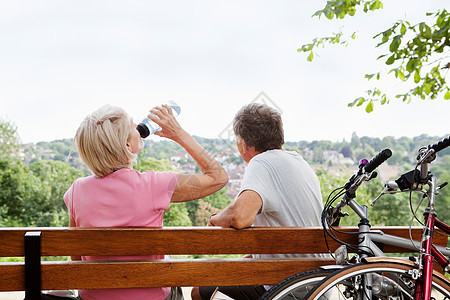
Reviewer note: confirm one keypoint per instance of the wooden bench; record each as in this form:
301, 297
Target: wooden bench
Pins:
33, 275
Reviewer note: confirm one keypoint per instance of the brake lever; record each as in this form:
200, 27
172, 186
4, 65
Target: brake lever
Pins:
390, 187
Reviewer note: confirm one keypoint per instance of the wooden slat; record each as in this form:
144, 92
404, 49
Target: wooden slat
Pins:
91, 275
179, 240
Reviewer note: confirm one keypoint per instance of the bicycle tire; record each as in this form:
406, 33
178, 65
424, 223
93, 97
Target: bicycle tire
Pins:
296, 286
394, 283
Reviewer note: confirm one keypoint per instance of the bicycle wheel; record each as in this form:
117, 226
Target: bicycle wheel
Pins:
296, 286
390, 280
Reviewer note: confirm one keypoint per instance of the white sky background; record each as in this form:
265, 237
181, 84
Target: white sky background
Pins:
61, 60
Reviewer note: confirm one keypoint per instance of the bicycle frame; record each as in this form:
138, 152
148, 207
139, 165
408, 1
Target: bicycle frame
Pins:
427, 251
368, 239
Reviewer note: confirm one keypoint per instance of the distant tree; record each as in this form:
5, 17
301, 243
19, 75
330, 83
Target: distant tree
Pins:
235, 159
9, 139
177, 215
56, 177
416, 53
203, 208
150, 163
347, 151
355, 141
387, 142
366, 153
23, 197
203, 212
398, 157
370, 142
390, 210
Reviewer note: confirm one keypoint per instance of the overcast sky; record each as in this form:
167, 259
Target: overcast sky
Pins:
60, 60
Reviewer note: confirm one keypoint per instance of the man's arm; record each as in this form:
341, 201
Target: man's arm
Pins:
239, 214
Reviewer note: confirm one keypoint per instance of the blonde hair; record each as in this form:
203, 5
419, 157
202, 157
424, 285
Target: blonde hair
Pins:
102, 140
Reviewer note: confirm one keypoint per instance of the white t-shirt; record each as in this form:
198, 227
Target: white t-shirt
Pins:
289, 189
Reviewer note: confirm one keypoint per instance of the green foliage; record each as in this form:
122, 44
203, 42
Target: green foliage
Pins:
32, 190
33, 196
23, 197
9, 140
177, 215
421, 42
389, 210
317, 42
201, 210
416, 53
159, 150
57, 177
341, 8
150, 163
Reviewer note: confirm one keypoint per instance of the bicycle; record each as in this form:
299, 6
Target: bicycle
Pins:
358, 279
392, 278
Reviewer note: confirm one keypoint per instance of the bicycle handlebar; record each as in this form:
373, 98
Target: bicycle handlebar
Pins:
379, 159
442, 144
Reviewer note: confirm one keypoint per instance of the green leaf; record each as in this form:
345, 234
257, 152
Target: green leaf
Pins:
366, 7
383, 100
395, 43
369, 76
376, 5
310, 56
329, 14
357, 100
447, 95
361, 100
416, 76
369, 107
427, 88
351, 12
305, 48
403, 29
390, 60
411, 65
317, 13
422, 27
401, 75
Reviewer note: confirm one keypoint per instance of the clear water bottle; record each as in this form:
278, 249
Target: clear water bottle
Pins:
147, 126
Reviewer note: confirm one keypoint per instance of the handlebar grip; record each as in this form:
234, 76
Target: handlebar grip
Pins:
442, 144
377, 160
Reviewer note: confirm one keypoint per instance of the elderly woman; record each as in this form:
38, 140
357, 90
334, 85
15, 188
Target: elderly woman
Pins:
116, 195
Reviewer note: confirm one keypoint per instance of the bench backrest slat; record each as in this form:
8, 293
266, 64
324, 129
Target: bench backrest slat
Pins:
159, 273
183, 241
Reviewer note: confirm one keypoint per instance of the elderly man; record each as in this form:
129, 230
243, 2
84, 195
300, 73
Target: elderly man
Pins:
279, 187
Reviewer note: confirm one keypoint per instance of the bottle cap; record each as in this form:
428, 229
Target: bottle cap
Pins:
143, 130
